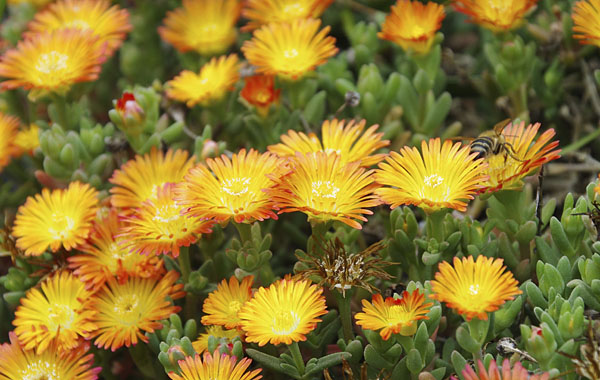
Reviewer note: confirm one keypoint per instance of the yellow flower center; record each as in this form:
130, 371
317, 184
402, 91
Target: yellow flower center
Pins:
235, 306
262, 96
60, 316
285, 322
167, 214
324, 190
77, 24
61, 226
398, 315
236, 186
293, 9
127, 309
290, 53
40, 370
52, 62
435, 189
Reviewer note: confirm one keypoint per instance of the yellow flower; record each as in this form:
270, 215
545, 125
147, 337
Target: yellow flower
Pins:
261, 12
27, 140
52, 62
223, 305
504, 171
18, 363
126, 310
215, 79
496, 15
474, 288
215, 367
507, 373
394, 315
259, 91
158, 227
322, 187
9, 126
289, 49
59, 311
201, 344
106, 256
55, 218
283, 313
139, 179
110, 24
346, 140
443, 176
586, 20
205, 26
413, 25
232, 188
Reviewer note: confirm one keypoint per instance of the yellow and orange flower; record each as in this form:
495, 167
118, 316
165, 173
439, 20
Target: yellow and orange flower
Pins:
346, 140
158, 226
289, 49
215, 367
324, 188
56, 218
518, 372
210, 85
261, 12
205, 26
504, 171
9, 126
52, 62
442, 176
139, 179
58, 312
232, 188
226, 336
586, 20
106, 256
394, 315
223, 305
283, 313
110, 24
126, 311
16, 362
413, 25
259, 91
26, 140
474, 288
493, 14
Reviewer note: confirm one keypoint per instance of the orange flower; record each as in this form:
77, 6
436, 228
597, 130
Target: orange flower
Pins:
518, 372
413, 25
586, 20
260, 92
215, 367
493, 14
261, 12
223, 305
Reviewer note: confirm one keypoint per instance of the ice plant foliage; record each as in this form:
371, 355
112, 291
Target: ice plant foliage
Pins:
412, 25
283, 313
204, 26
210, 85
223, 305
259, 91
324, 188
56, 218
586, 20
441, 176
394, 315
9, 126
474, 288
496, 15
290, 49
261, 12
127, 310
231, 189
201, 344
215, 367
56, 314
349, 140
110, 24
518, 372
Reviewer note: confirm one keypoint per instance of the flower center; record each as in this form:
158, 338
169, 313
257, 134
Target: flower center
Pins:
78, 24
290, 53
324, 189
52, 62
293, 9
474, 289
235, 306
398, 315
435, 189
285, 322
61, 227
236, 186
60, 316
127, 309
167, 213
40, 370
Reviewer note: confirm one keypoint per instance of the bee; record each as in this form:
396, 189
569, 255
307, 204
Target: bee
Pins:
491, 142
594, 215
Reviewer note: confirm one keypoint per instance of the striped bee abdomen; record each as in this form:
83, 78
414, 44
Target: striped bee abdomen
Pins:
483, 146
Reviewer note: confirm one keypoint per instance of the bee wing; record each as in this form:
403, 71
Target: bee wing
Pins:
499, 127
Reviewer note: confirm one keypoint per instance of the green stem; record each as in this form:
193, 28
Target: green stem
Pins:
435, 225
581, 142
146, 362
343, 302
478, 328
245, 231
185, 265
297, 356
60, 106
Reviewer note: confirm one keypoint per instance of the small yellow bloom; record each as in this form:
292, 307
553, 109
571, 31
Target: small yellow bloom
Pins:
586, 20
110, 24
139, 179
126, 311
283, 313
394, 315
223, 305
215, 79
496, 15
261, 12
55, 218
518, 372
201, 344
442, 176
347, 140
9, 126
16, 362
215, 367
289, 49
232, 188
52, 62
58, 311
413, 25
27, 140
474, 288
205, 26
